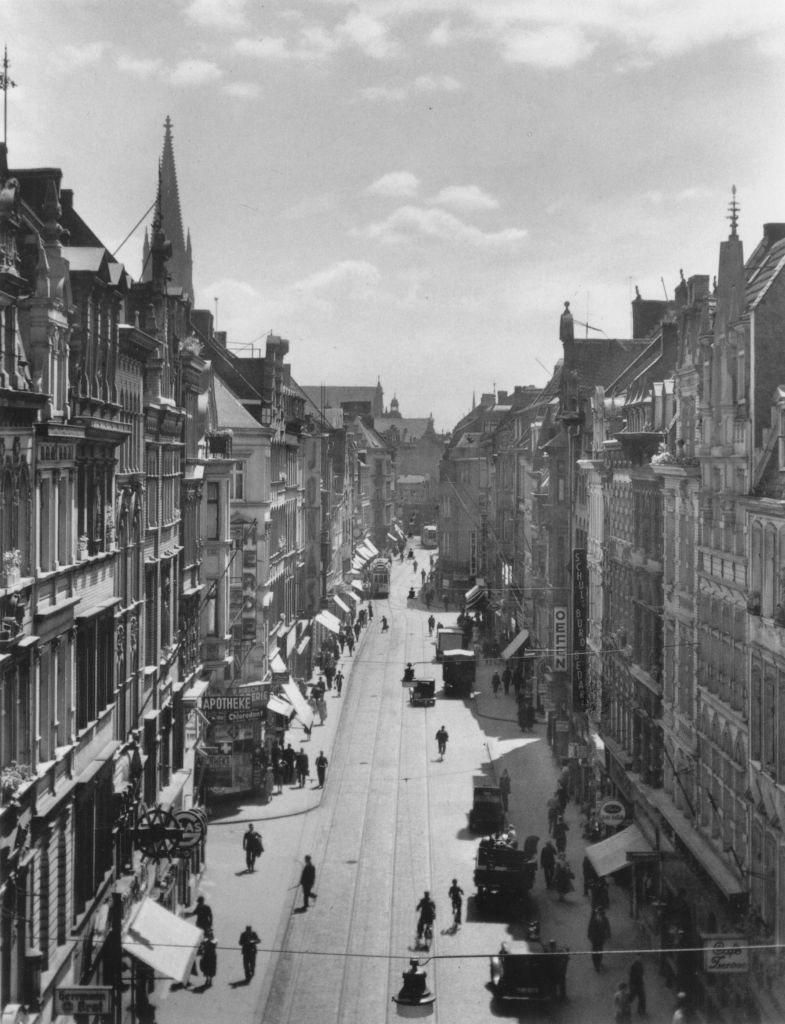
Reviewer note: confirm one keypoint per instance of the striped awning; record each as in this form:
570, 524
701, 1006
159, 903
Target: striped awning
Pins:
515, 644
329, 621
341, 604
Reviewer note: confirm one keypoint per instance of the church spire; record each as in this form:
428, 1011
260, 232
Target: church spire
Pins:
181, 264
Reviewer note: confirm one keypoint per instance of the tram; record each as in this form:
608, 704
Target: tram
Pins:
379, 571
430, 536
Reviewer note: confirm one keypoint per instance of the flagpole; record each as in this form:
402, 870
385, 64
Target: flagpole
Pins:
5, 85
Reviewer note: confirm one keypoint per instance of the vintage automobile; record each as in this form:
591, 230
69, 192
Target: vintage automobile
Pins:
521, 972
421, 693
487, 813
503, 871
448, 638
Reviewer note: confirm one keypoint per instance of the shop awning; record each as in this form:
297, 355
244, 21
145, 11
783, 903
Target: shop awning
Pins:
299, 703
302, 647
350, 595
371, 547
611, 854
364, 551
515, 644
341, 604
359, 586
393, 538
358, 561
277, 664
329, 621
163, 940
280, 706
474, 596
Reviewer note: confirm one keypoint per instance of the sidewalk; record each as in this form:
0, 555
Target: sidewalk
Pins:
570, 917
239, 897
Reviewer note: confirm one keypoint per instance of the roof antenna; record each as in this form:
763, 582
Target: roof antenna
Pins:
662, 282
5, 85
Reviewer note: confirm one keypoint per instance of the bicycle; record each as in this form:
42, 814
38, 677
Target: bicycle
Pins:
427, 935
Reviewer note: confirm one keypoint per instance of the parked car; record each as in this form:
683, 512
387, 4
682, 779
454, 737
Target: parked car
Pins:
487, 813
521, 972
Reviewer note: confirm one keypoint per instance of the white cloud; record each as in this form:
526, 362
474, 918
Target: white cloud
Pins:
423, 83
242, 90
409, 222
369, 34
398, 184
465, 197
550, 47
436, 83
195, 72
226, 14
265, 48
143, 67
83, 56
351, 276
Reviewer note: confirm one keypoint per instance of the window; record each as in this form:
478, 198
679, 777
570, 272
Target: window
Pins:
238, 481
213, 517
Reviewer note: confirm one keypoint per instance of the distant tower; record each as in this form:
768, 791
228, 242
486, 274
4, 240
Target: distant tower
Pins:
394, 408
180, 266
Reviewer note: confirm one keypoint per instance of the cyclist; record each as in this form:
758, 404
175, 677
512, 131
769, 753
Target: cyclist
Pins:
455, 892
427, 909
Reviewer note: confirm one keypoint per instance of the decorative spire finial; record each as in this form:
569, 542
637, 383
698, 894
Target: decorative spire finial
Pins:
5, 85
733, 214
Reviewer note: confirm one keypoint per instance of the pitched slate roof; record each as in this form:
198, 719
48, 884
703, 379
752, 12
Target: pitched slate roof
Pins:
332, 397
411, 428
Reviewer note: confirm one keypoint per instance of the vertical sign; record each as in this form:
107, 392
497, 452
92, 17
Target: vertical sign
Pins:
560, 639
580, 595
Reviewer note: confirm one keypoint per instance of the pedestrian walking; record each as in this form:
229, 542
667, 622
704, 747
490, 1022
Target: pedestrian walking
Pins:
307, 881
427, 909
321, 709
681, 1015
414, 566
357, 629
350, 642
599, 932
431, 624
506, 680
288, 760
496, 682
385, 625
370, 611
422, 576
249, 940
253, 846
622, 1012
278, 774
505, 787
548, 863
329, 675
558, 960
455, 892
203, 915
441, 738
338, 682
342, 640
562, 876
636, 985
560, 830
302, 767
590, 876
208, 960
321, 768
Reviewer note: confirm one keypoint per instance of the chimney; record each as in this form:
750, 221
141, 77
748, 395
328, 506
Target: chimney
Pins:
220, 338
502, 398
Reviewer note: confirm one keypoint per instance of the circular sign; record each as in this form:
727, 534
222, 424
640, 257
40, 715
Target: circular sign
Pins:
612, 812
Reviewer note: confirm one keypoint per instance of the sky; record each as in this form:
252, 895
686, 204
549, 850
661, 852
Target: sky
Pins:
409, 190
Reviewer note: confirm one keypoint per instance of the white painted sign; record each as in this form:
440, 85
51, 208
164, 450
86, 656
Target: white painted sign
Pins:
560, 639
725, 954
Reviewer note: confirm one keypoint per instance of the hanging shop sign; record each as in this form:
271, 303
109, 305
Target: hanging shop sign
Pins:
560, 639
92, 999
725, 954
580, 599
613, 812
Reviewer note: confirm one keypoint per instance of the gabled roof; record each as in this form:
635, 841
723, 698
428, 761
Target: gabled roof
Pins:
230, 411
411, 428
601, 360
762, 274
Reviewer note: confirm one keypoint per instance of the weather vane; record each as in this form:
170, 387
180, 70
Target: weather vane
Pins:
5, 85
